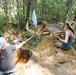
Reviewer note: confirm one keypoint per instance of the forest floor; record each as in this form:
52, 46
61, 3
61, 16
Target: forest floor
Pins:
48, 60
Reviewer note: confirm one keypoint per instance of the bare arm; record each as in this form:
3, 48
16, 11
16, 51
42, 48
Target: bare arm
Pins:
66, 37
20, 45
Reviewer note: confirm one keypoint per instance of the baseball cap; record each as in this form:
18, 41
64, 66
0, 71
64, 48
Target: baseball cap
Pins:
2, 41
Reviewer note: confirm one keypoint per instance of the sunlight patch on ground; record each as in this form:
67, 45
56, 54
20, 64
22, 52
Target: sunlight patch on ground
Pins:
32, 68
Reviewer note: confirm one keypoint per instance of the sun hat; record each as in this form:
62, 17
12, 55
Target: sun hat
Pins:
71, 24
2, 42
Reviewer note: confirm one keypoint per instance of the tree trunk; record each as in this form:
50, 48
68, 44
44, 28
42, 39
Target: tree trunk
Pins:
69, 5
27, 14
43, 9
7, 10
24, 13
18, 15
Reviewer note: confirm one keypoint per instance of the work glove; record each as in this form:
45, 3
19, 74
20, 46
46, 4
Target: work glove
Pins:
57, 37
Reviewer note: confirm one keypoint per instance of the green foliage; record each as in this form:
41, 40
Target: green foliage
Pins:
55, 10
1, 33
3, 21
36, 42
33, 41
51, 11
28, 35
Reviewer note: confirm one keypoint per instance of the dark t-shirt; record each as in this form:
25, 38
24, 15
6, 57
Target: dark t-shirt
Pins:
7, 63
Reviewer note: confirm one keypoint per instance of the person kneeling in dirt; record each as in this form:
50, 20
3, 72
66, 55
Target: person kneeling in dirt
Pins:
7, 63
66, 43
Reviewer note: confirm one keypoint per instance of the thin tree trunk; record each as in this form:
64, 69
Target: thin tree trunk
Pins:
18, 15
24, 1
27, 14
7, 10
43, 9
10, 13
69, 7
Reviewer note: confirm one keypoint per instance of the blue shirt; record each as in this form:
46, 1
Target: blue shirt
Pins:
69, 43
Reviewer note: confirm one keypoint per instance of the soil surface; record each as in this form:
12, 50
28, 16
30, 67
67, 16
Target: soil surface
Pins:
48, 60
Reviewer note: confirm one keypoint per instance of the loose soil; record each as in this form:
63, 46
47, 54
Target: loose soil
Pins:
48, 60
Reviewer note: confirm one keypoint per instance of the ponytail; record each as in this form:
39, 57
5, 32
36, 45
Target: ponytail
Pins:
72, 30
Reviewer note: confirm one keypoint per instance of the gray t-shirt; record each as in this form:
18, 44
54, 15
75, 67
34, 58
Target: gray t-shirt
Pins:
7, 63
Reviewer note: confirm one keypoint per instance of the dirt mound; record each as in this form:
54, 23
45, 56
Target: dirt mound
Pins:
48, 60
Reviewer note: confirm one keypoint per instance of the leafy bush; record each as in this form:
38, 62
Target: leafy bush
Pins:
3, 21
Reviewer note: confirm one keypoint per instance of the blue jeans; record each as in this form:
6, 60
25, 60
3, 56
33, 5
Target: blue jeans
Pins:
3, 73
